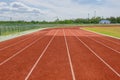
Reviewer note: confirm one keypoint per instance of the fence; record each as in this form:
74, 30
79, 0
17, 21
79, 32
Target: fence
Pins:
10, 28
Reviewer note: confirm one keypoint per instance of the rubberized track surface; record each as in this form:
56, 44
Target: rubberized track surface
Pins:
60, 54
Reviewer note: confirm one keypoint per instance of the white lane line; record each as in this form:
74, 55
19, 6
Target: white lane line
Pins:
69, 57
15, 43
118, 43
104, 45
112, 69
1, 63
105, 37
39, 58
23, 33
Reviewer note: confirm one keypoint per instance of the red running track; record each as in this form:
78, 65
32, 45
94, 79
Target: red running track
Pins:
60, 54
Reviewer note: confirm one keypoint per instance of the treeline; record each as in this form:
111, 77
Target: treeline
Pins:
94, 20
8, 27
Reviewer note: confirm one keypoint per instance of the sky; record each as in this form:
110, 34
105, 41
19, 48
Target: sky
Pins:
49, 10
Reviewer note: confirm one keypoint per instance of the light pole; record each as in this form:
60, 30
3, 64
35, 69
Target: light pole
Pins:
88, 16
95, 14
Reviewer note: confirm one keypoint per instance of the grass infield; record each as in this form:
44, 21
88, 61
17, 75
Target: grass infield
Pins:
112, 31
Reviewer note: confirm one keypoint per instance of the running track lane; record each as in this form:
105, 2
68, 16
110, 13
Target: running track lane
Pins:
20, 39
18, 67
103, 36
15, 49
86, 64
7, 44
104, 40
64, 57
54, 64
107, 54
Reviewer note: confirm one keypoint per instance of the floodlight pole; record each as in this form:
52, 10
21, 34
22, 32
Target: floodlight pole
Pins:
95, 13
88, 16
10, 18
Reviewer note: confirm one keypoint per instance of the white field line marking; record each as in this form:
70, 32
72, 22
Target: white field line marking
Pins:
20, 51
112, 69
104, 36
101, 34
104, 45
69, 57
39, 58
15, 43
111, 41
24, 33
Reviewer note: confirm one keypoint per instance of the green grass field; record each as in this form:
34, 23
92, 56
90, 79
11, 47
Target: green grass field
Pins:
112, 31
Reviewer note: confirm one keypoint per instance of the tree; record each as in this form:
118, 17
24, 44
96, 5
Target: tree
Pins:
113, 19
118, 19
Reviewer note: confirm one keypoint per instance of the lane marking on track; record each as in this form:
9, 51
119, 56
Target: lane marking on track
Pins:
1, 63
111, 41
15, 43
69, 57
39, 58
104, 45
105, 37
101, 59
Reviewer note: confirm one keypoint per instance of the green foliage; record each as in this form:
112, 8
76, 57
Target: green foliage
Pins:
8, 27
112, 19
94, 20
112, 31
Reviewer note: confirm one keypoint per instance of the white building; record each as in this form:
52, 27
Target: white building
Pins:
104, 22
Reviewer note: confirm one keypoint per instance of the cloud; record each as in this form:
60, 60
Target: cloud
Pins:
64, 9
2, 4
90, 2
20, 11
18, 7
78, 8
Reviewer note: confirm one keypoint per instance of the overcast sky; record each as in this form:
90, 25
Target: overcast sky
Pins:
51, 9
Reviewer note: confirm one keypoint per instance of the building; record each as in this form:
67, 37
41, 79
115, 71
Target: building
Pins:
104, 22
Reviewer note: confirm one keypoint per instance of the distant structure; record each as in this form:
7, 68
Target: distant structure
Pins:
104, 22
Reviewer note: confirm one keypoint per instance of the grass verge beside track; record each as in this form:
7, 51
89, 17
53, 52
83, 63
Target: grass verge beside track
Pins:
112, 31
